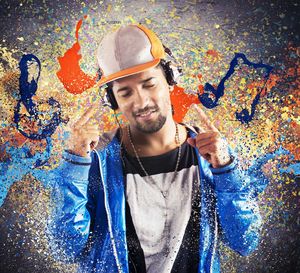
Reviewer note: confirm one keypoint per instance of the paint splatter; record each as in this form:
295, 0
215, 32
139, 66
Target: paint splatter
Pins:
203, 37
70, 74
211, 95
35, 120
181, 102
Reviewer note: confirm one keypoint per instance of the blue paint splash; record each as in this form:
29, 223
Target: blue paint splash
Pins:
21, 160
20, 163
211, 96
293, 168
28, 85
256, 168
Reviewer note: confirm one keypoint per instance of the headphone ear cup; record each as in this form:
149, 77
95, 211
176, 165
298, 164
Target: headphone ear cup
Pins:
169, 71
111, 99
170, 76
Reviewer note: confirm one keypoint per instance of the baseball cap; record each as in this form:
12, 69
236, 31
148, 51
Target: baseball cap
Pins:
129, 50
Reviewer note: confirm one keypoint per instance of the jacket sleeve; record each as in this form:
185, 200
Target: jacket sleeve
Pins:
71, 208
237, 209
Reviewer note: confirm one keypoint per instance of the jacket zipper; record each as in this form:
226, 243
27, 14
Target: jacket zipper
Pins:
215, 213
215, 242
109, 217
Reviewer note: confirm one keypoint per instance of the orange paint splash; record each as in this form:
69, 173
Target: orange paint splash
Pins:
17, 140
181, 102
271, 82
294, 149
70, 74
200, 86
14, 137
213, 55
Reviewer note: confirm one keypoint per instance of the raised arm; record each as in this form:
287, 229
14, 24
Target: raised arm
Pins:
72, 205
236, 204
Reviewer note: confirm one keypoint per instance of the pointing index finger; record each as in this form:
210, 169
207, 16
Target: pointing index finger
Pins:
87, 115
204, 119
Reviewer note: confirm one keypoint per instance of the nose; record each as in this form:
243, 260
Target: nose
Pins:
141, 99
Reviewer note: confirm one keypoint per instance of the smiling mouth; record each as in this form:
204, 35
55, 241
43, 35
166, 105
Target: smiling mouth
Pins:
145, 114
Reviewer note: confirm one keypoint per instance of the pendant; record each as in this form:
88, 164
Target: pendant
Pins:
165, 194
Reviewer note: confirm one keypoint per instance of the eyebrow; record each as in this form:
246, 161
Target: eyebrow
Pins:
127, 87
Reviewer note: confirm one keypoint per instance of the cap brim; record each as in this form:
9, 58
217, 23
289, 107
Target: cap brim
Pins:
127, 72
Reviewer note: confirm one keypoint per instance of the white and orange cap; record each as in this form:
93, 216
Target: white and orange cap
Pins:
129, 50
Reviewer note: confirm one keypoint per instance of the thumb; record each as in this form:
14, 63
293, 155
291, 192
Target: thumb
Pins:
191, 141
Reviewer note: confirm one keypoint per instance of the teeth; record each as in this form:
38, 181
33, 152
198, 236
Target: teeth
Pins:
146, 114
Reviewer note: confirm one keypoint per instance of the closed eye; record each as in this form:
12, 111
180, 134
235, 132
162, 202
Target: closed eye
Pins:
149, 85
124, 94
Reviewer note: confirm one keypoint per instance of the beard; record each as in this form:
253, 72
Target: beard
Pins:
150, 127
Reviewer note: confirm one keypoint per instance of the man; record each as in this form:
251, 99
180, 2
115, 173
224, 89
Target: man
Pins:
154, 196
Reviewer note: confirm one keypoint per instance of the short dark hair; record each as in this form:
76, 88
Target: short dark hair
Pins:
109, 86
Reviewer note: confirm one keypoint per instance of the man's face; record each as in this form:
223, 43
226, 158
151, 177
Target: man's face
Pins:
144, 99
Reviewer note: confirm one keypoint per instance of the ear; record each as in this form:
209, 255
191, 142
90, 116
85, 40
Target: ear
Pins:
171, 88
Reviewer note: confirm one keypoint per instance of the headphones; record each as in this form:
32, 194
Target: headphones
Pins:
172, 72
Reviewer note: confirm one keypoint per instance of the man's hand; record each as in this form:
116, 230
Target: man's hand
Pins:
210, 143
83, 136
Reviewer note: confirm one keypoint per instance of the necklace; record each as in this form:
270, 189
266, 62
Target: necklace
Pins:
177, 141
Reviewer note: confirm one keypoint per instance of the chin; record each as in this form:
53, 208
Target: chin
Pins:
151, 127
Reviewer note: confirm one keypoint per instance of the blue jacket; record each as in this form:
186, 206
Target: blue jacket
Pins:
87, 223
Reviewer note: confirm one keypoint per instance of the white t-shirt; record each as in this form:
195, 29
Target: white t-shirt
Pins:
160, 207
